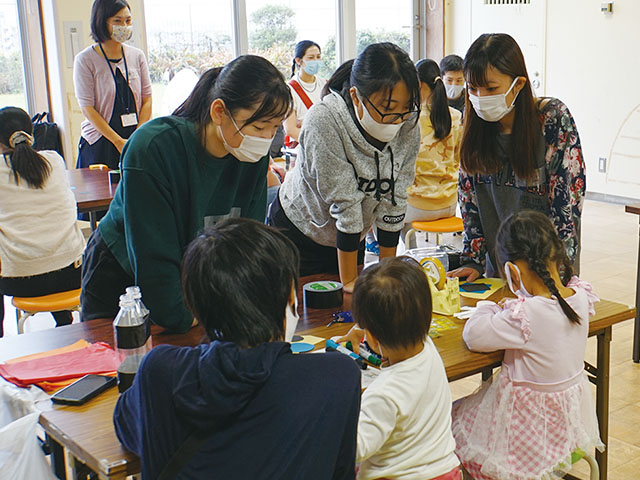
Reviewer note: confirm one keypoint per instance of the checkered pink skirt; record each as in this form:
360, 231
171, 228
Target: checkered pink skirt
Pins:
513, 432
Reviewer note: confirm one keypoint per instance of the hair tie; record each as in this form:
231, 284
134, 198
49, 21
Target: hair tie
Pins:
20, 137
436, 79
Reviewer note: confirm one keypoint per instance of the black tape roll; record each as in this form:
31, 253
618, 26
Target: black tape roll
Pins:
322, 294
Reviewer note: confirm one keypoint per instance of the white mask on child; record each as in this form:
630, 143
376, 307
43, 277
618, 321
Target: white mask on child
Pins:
384, 132
493, 108
520, 292
251, 149
291, 320
453, 91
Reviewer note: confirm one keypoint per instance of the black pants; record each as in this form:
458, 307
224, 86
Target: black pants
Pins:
103, 281
57, 281
314, 258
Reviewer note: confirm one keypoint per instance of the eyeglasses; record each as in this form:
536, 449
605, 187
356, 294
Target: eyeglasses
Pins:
391, 117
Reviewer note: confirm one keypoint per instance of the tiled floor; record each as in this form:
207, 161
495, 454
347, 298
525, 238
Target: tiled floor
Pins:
609, 260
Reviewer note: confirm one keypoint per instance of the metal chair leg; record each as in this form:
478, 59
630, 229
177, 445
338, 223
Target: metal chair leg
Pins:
595, 469
21, 318
410, 240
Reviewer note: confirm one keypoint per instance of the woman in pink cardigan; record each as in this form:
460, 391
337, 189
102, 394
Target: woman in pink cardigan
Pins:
112, 85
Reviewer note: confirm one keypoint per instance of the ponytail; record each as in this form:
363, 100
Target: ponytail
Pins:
340, 82
193, 108
247, 82
429, 73
25, 163
540, 269
530, 236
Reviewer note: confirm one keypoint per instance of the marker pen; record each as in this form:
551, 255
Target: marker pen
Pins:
331, 345
367, 354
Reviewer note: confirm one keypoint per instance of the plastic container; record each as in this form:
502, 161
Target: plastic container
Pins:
132, 334
430, 252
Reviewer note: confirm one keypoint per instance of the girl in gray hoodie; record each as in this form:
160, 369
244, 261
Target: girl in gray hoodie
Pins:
357, 158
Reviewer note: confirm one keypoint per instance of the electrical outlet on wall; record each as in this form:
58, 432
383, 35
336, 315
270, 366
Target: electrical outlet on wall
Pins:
602, 164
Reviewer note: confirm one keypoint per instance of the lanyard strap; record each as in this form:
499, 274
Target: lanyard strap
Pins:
126, 69
123, 95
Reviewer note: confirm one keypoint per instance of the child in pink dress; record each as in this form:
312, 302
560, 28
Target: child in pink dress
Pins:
538, 409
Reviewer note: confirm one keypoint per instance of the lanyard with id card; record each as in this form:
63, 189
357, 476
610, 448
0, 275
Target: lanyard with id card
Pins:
128, 119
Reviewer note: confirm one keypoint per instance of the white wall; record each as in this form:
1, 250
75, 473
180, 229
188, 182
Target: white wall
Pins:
64, 106
592, 66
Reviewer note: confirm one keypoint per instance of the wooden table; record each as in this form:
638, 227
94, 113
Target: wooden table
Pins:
92, 190
83, 438
635, 208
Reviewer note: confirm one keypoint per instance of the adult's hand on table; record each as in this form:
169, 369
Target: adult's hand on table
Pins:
470, 273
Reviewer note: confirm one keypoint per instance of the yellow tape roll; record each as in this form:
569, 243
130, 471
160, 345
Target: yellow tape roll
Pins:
435, 271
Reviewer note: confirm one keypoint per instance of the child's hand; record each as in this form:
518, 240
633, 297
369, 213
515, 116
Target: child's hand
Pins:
348, 287
355, 336
470, 273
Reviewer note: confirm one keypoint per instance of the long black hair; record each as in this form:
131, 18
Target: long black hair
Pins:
301, 49
101, 11
26, 164
530, 236
479, 145
392, 300
239, 290
378, 68
245, 82
429, 73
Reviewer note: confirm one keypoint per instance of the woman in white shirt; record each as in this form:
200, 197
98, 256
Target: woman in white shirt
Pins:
306, 86
40, 243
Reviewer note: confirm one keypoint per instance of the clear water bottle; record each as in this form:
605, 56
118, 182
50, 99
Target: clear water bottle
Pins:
132, 333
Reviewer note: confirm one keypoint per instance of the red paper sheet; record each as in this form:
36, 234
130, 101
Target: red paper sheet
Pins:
95, 358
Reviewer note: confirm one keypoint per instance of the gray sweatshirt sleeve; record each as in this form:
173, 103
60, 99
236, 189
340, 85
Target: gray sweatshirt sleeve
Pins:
388, 216
326, 165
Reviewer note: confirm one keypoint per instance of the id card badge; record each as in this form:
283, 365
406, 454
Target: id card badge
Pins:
129, 119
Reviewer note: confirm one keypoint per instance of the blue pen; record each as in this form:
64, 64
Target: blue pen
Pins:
331, 345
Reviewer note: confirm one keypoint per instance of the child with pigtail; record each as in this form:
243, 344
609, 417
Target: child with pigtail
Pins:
538, 409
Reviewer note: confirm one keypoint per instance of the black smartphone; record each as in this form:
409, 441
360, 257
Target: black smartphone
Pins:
84, 389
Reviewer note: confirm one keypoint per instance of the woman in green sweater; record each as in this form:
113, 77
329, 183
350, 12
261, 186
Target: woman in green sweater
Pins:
206, 162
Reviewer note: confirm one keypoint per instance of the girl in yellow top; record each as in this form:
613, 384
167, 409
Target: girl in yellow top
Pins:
434, 192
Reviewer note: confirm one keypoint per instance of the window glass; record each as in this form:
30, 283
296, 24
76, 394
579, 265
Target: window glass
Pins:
184, 39
12, 88
275, 26
383, 21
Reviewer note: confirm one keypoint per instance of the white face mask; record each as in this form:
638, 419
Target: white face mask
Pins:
251, 149
385, 132
121, 33
291, 320
492, 108
453, 91
520, 292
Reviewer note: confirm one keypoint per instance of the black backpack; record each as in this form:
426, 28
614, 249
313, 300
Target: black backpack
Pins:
46, 135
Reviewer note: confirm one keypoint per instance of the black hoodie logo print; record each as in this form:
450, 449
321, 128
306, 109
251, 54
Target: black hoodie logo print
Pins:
384, 185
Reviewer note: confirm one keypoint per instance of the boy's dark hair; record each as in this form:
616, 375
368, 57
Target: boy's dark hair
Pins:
429, 73
451, 63
301, 49
392, 300
479, 147
530, 236
237, 279
378, 68
245, 82
25, 163
101, 11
